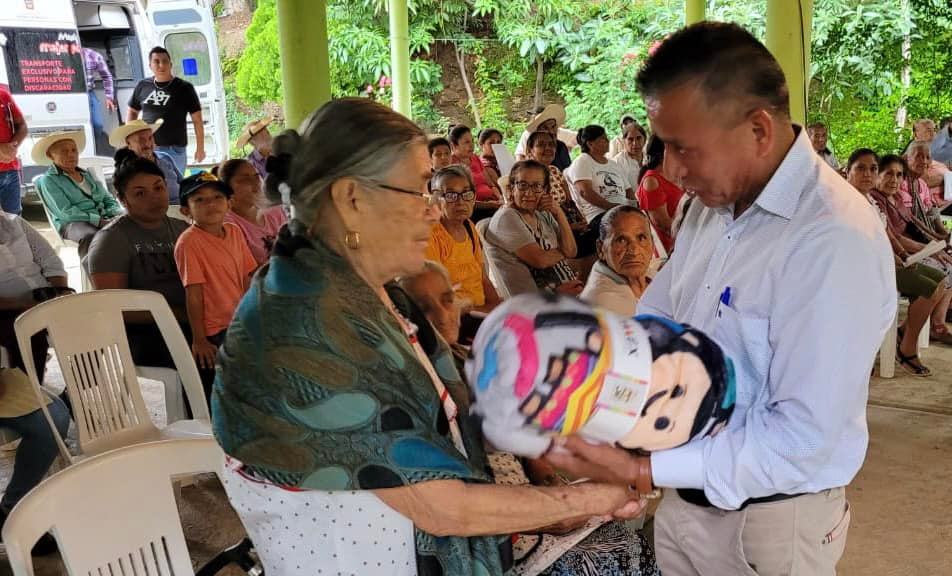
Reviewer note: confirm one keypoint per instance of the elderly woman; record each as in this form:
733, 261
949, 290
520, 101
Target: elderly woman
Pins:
79, 205
619, 279
455, 243
915, 192
346, 430
136, 251
531, 232
138, 136
610, 549
598, 183
657, 195
924, 285
631, 155
259, 224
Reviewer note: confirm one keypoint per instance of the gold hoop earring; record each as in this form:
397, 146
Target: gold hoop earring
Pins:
352, 240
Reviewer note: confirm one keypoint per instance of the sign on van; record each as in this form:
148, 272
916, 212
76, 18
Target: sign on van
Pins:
43, 61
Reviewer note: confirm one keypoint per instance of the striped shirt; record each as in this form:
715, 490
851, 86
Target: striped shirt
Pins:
96, 64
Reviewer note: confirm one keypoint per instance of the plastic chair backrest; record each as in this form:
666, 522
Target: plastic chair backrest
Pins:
98, 165
114, 513
87, 332
41, 194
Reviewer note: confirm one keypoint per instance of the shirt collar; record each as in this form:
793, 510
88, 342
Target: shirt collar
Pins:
782, 193
604, 270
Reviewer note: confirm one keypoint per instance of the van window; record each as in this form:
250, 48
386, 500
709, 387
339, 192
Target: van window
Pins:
173, 17
44, 61
190, 59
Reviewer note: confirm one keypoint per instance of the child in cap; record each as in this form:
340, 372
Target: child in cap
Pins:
215, 264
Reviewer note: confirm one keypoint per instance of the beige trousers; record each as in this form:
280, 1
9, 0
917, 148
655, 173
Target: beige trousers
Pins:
802, 536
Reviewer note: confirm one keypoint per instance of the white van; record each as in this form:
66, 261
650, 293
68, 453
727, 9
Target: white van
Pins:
41, 63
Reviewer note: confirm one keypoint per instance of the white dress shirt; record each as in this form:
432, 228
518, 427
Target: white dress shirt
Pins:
812, 292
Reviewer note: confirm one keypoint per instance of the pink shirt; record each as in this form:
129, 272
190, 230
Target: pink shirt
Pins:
260, 239
924, 194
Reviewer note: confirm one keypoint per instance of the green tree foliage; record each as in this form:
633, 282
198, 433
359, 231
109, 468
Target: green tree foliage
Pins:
586, 55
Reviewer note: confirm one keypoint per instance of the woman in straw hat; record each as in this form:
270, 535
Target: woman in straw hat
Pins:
137, 135
256, 133
550, 119
78, 204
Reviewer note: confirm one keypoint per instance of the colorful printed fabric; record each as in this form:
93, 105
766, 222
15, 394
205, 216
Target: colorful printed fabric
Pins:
550, 365
319, 388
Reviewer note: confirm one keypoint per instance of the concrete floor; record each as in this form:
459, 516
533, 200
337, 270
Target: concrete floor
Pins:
902, 501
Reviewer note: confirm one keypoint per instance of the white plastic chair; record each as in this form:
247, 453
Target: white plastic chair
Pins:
87, 332
114, 513
85, 282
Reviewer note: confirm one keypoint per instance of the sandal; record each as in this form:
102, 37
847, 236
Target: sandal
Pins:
940, 335
912, 364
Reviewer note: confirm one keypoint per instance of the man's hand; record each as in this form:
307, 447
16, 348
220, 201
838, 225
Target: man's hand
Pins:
8, 152
110, 105
598, 462
200, 154
204, 353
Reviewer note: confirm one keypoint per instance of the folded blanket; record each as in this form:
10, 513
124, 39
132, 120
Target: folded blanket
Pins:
543, 366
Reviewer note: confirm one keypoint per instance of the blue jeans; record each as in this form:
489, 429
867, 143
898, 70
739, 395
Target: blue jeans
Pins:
179, 156
95, 115
37, 449
10, 192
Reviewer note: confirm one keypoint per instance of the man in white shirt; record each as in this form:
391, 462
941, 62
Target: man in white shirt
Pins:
790, 271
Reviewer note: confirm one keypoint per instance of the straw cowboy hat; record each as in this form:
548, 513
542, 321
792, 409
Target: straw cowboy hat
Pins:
42, 146
117, 139
251, 130
550, 112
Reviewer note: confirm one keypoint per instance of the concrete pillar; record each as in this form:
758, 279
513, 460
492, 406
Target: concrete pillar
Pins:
305, 66
789, 27
693, 11
400, 56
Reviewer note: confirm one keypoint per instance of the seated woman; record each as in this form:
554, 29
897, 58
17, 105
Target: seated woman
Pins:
612, 548
137, 135
454, 241
532, 231
488, 195
926, 284
136, 251
488, 137
346, 428
79, 205
598, 183
631, 155
258, 223
541, 148
619, 278
657, 195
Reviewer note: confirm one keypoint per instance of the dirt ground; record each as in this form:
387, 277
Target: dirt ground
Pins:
902, 502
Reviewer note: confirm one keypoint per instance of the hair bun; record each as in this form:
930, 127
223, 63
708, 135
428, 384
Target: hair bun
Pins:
122, 156
278, 164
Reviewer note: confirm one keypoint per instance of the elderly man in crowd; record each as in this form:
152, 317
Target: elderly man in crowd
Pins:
257, 134
773, 228
137, 135
819, 138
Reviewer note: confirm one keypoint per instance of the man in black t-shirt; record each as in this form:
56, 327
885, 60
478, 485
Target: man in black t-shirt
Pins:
171, 99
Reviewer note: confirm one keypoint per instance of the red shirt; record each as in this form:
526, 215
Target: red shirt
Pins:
667, 194
483, 190
9, 115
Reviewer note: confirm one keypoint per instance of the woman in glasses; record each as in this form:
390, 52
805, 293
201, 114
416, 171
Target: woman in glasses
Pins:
455, 243
530, 239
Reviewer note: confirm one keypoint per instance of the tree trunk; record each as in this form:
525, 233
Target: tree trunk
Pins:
902, 112
540, 72
470, 97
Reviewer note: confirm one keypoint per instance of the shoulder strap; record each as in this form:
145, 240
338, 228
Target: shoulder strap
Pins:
469, 230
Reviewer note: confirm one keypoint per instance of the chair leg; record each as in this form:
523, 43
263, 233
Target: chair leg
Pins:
241, 554
887, 352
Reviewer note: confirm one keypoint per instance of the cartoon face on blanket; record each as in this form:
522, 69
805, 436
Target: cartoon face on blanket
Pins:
543, 366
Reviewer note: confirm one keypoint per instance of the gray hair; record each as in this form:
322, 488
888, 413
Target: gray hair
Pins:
429, 266
452, 171
608, 220
346, 138
918, 145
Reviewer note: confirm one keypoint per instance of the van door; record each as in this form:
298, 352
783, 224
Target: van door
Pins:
187, 30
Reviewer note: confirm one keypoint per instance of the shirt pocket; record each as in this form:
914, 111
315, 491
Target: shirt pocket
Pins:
745, 339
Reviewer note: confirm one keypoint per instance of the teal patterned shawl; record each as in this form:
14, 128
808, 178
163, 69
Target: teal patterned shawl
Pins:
319, 388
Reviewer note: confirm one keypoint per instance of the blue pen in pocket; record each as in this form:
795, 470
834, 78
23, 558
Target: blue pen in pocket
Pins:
725, 300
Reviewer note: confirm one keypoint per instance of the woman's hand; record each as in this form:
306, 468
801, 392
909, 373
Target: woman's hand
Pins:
548, 204
204, 353
570, 288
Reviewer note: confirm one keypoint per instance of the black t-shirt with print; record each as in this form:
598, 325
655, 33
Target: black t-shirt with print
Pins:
172, 101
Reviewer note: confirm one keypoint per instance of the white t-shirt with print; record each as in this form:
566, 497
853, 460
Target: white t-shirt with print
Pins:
608, 180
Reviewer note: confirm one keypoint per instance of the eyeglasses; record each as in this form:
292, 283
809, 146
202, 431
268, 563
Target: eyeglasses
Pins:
450, 197
523, 186
430, 199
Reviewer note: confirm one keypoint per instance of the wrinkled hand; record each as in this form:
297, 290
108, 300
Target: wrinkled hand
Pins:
547, 204
564, 527
111, 105
204, 353
615, 502
599, 462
